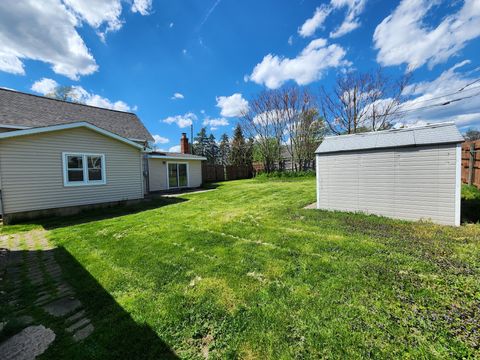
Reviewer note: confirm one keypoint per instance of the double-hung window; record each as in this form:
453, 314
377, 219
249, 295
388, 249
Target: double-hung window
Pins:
83, 169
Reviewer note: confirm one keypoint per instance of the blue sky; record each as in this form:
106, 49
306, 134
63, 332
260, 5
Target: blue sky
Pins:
215, 54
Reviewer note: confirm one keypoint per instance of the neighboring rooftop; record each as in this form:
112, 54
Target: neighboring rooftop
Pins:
441, 133
28, 110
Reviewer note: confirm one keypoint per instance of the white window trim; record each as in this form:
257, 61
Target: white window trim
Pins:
85, 181
188, 175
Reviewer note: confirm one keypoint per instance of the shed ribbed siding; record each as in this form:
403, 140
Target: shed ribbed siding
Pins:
409, 183
158, 173
32, 172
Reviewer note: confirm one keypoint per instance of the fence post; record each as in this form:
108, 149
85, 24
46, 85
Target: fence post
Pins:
471, 162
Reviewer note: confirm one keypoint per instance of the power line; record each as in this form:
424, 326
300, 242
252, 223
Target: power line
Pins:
448, 102
450, 94
473, 82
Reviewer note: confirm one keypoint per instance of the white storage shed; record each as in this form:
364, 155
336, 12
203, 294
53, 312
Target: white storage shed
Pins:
410, 174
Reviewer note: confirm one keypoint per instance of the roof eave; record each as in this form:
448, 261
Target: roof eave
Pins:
45, 129
176, 157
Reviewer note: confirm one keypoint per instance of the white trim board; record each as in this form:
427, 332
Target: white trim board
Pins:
75, 125
181, 158
458, 184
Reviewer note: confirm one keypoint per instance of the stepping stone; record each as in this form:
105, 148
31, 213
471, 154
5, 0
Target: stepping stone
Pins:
42, 298
62, 307
83, 333
76, 316
27, 344
78, 324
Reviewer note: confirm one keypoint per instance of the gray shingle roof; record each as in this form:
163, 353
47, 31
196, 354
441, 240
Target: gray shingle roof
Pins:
423, 135
27, 110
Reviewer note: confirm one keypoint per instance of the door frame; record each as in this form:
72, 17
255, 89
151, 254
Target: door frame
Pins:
168, 176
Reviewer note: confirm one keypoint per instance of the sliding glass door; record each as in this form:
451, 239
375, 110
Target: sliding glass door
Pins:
177, 175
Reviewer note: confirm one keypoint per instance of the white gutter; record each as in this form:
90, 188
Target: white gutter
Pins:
166, 157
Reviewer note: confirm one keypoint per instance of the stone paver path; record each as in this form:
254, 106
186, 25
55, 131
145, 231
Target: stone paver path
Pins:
28, 265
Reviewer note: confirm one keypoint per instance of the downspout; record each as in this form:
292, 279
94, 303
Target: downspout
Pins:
2, 209
146, 170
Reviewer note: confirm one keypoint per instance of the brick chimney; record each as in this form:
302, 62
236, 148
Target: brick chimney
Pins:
184, 146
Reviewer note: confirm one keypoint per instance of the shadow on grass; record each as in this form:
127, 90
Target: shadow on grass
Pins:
471, 210
116, 334
106, 213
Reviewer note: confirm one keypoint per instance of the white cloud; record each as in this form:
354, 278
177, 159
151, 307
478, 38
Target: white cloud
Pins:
175, 148
425, 105
290, 40
47, 31
232, 106
350, 23
160, 140
177, 96
42, 31
182, 121
215, 123
46, 86
316, 21
403, 37
144, 7
307, 67
104, 16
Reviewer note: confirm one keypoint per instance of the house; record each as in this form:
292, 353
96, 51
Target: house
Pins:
58, 157
408, 174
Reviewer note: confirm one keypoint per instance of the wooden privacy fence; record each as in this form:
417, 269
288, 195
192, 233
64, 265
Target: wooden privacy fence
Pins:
471, 163
212, 173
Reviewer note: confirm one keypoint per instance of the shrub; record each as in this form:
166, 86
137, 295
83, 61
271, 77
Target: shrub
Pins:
285, 175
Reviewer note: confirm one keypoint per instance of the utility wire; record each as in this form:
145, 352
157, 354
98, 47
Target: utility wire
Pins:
450, 94
447, 102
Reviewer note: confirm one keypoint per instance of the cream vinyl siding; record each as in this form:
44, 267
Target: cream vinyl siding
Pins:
158, 173
32, 173
408, 183
157, 170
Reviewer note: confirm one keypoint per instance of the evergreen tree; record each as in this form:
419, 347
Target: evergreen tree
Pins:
201, 143
212, 149
239, 154
224, 150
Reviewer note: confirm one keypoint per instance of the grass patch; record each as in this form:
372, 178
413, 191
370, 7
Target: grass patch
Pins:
246, 272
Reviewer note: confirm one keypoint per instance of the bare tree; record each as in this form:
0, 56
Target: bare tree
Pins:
65, 93
304, 128
263, 121
362, 102
284, 119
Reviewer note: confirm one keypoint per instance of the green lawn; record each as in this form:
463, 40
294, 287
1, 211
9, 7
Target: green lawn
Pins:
245, 272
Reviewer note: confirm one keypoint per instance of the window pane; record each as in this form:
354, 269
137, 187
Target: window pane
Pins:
95, 174
94, 168
75, 162
94, 162
172, 175
182, 174
75, 175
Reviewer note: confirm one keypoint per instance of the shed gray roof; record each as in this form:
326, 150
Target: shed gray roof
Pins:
440, 133
27, 110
